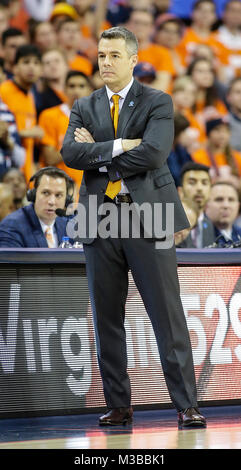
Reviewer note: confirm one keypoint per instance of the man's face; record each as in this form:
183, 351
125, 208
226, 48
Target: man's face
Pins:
10, 47
115, 64
28, 69
77, 87
17, 182
223, 205
45, 36
232, 15
234, 96
220, 136
54, 65
204, 15
196, 187
141, 24
69, 35
50, 195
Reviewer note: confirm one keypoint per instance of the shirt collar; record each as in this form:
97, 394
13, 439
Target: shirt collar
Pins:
122, 93
44, 226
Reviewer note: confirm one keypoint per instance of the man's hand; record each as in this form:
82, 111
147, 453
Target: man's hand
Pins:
82, 135
129, 144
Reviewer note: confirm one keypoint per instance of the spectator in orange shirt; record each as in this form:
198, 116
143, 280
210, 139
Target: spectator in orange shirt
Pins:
16, 93
169, 30
141, 23
229, 34
224, 162
12, 38
55, 121
54, 70
69, 40
207, 104
184, 95
42, 34
200, 32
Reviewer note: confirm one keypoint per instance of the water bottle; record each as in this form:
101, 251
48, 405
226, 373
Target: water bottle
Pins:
65, 243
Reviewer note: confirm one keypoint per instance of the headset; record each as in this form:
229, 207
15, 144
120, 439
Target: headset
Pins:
54, 172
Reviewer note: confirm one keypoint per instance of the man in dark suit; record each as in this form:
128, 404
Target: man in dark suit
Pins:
195, 190
37, 224
124, 162
223, 209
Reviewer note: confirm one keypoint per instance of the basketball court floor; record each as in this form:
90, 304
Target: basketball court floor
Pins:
156, 429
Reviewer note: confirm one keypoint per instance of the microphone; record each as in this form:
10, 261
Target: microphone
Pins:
61, 212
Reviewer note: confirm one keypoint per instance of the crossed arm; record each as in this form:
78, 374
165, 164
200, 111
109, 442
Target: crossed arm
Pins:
83, 135
139, 155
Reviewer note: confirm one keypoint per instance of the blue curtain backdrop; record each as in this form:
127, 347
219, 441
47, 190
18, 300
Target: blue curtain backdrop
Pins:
183, 8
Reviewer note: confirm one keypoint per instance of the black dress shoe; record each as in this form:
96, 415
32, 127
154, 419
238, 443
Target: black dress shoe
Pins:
116, 417
191, 417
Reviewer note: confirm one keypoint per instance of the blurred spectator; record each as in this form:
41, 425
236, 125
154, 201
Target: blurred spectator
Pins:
141, 23
169, 31
225, 162
16, 93
69, 40
207, 104
160, 7
144, 72
37, 225
229, 34
42, 34
4, 23
200, 32
11, 152
60, 12
223, 209
12, 38
84, 13
195, 191
15, 178
96, 78
184, 93
234, 102
179, 154
3, 76
55, 121
6, 200
54, 71
203, 51
18, 16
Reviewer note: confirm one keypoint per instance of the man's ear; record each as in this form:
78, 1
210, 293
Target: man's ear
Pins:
134, 60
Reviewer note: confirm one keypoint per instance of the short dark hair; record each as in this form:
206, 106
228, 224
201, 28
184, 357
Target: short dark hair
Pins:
27, 50
77, 73
53, 172
193, 166
11, 33
119, 32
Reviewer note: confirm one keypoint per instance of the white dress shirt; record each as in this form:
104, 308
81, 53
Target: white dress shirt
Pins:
117, 147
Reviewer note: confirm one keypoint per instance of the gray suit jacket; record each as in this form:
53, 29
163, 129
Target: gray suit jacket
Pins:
147, 114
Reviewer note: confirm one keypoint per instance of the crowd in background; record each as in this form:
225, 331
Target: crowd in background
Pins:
48, 59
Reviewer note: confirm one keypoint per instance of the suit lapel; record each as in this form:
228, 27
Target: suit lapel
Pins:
132, 100
103, 112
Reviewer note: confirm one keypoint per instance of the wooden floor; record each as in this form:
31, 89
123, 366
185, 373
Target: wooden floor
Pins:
150, 430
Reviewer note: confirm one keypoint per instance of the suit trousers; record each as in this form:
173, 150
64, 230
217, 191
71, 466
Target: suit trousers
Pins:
154, 271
